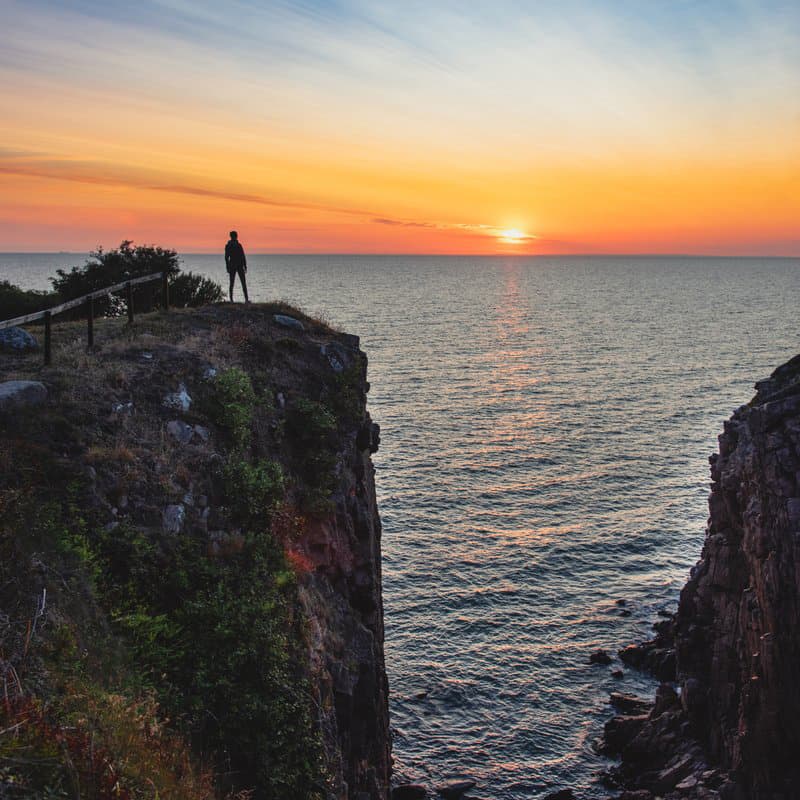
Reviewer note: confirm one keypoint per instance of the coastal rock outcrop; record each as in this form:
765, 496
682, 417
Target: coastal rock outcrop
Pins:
734, 730
190, 563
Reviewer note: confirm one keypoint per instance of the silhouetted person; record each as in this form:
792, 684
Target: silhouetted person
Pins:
236, 263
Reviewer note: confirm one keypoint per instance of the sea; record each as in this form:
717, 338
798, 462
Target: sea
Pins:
546, 424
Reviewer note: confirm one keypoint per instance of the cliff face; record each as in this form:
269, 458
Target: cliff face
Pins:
343, 602
189, 532
738, 625
733, 648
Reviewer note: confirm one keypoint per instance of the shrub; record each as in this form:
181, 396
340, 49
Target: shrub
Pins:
188, 290
108, 267
233, 403
16, 302
252, 490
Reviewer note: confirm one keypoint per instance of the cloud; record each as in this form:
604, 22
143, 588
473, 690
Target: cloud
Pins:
35, 165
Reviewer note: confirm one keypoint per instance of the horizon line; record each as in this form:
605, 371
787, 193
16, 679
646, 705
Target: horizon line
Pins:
588, 254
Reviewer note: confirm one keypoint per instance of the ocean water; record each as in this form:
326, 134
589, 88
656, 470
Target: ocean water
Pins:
546, 426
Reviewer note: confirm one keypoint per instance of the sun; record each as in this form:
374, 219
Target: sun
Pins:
513, 236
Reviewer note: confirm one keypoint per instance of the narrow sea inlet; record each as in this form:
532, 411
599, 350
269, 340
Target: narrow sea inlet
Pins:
546, 425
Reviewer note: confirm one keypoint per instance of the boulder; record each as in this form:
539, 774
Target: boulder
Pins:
17, 340
173, 518
180, 400
19, 394
288, 322
561, 794
630, 704
180, 431
600, 657
454, 791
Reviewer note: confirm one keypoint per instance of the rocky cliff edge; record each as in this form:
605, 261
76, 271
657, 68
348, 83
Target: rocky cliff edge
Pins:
190, 566
732, 730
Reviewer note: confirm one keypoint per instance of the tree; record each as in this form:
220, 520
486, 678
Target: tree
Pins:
108, 267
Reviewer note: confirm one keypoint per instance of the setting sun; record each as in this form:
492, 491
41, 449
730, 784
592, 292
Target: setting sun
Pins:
514, 236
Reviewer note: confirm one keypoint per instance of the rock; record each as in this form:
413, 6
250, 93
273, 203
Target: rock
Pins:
17, 340
209, 373
180, 431
618, 674
21, 394
123, 408
561, 794
630, 704
337, 356
618, 732
202, 433
653, 656
672, 774
288, 322
454, 791
173, 518
180, 400
600, 657
666, 699
409, 791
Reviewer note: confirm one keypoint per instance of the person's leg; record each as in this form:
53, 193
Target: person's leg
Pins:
232, 276
244, 284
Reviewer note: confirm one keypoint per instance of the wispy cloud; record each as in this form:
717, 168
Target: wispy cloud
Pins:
26, 163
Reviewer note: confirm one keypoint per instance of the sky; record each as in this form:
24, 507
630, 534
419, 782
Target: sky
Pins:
592, 126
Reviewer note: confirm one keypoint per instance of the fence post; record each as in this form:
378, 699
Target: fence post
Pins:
129, 287
164, 291
47, 339
90, 320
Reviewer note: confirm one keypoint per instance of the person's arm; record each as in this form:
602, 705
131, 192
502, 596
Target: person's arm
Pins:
227, 255
244, 259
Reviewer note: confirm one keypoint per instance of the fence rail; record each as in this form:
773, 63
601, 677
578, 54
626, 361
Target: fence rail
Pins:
88, 299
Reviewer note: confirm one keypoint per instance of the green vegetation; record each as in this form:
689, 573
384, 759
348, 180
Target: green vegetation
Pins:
106, 268
233, 403
15, 302
252, 491
311, 428
203, 631
188, 290
345, 394
218, 639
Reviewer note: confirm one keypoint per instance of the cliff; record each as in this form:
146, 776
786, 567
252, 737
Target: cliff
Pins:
734, 730
190, 565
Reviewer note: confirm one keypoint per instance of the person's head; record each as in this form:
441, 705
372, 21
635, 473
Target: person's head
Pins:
234, 235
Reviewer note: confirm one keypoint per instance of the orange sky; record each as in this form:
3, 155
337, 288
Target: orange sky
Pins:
359, 129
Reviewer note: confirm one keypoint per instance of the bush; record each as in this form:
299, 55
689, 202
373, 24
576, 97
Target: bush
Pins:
189, 291
233, 403
252, 490
15, 302
108, 267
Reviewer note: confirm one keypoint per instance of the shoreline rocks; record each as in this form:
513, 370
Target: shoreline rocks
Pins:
732, 729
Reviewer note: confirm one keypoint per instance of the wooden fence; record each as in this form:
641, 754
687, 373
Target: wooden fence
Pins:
49, 313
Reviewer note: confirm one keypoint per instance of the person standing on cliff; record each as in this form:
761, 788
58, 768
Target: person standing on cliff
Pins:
236, 263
